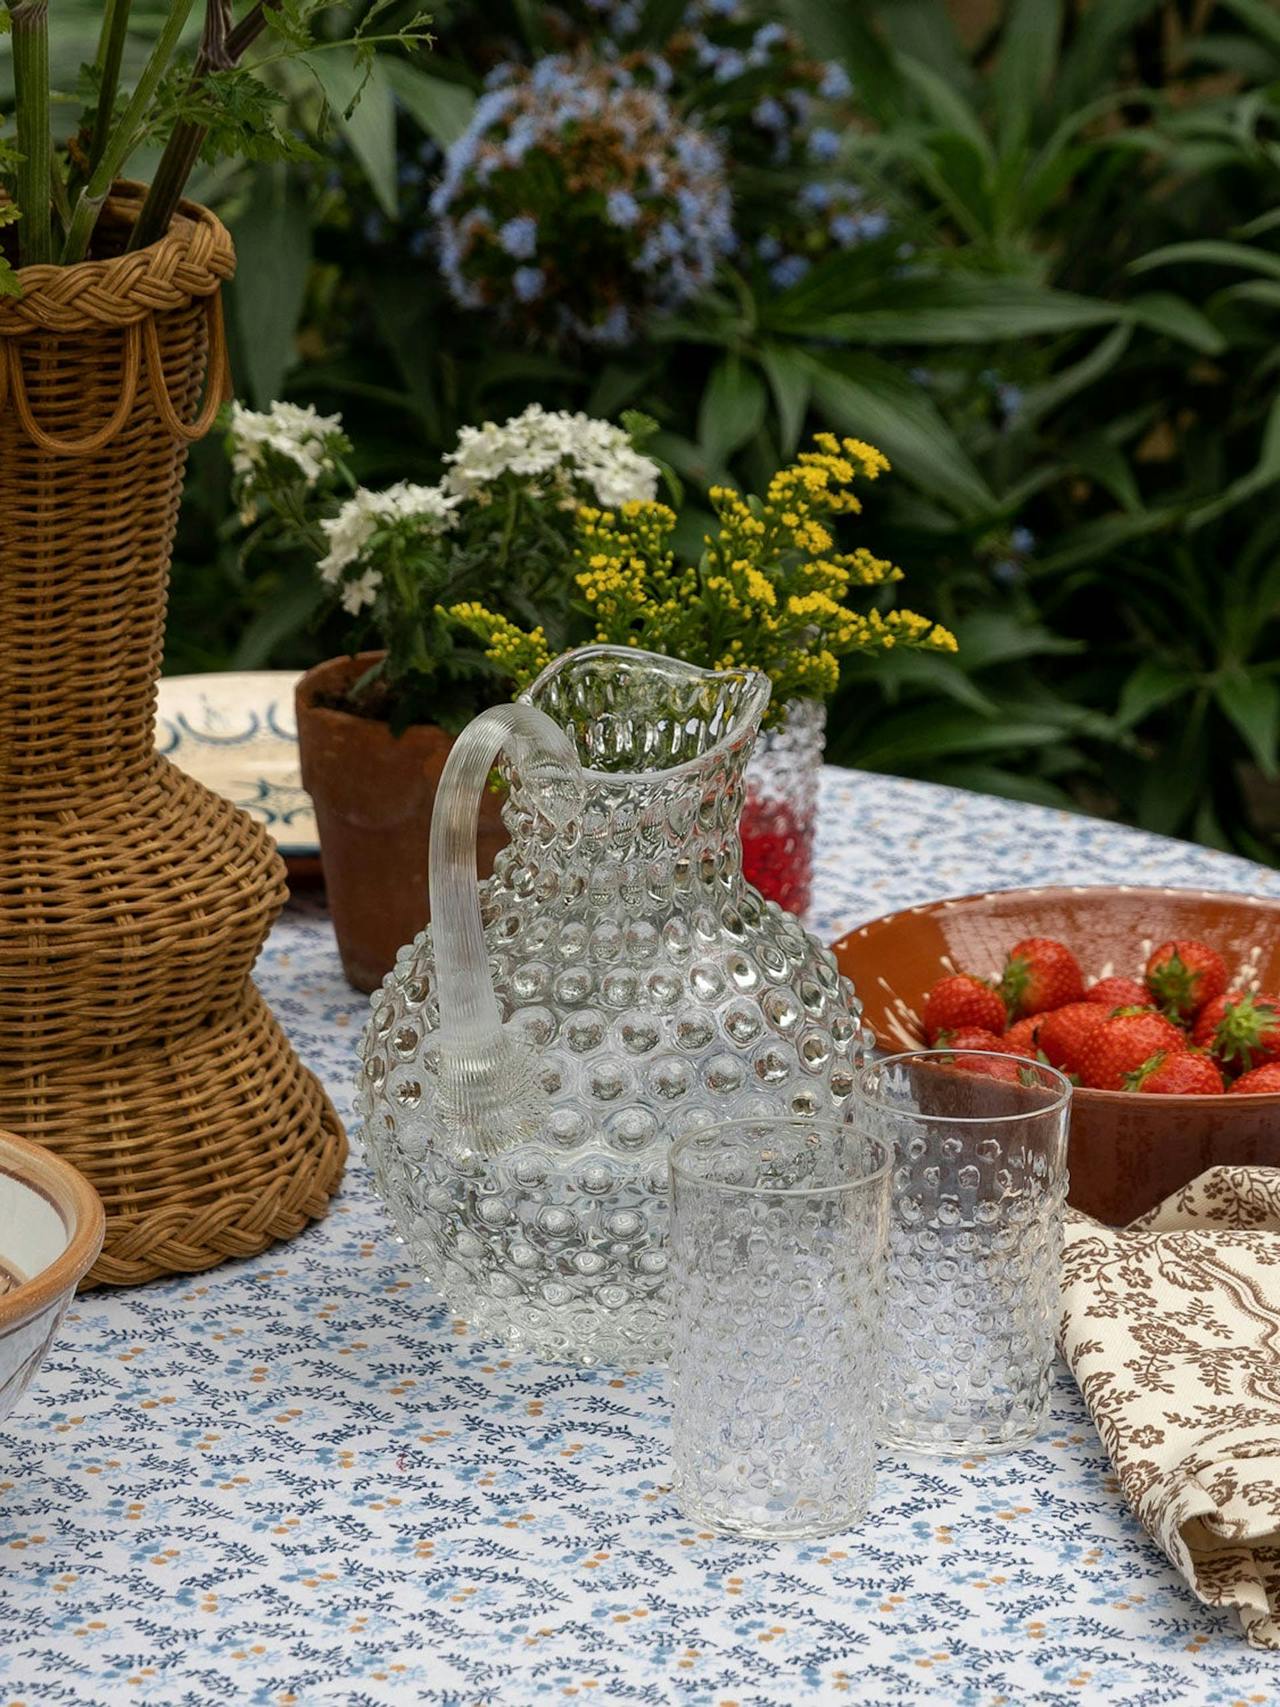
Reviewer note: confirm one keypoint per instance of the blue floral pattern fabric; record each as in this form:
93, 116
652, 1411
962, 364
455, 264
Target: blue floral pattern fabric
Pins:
298, 1480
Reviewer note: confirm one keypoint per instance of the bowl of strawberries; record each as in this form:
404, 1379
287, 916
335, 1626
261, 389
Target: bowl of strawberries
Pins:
1161, 1005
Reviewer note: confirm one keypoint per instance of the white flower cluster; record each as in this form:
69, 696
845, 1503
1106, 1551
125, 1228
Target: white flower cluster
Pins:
299, 433
349, 532
542, 442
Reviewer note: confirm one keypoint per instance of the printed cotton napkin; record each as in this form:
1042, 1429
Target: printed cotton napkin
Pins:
1172, 1330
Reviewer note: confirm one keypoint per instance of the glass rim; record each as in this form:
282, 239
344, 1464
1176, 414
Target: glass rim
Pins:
870, 1176
1051, 1080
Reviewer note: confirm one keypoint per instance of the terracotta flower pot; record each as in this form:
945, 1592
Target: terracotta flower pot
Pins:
374, 793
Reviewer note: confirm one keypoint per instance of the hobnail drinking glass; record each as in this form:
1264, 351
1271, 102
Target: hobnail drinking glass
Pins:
978, 1185
777, 1247
617, 985
780, 817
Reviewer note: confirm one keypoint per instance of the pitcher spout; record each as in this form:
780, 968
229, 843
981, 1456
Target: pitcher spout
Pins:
630, 712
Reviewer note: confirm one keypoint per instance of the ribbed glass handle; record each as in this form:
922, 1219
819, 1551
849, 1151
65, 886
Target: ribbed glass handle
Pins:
488, 1094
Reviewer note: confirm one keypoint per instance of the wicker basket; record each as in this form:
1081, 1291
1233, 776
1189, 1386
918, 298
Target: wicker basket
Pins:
133, 902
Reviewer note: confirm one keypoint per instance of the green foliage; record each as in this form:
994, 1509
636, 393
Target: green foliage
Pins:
218, 97
1066, 340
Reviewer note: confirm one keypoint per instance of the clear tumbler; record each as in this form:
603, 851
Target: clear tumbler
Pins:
778, 1233
978, 1185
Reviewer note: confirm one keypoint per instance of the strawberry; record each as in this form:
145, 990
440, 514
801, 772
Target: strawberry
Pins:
1040, 975
959, 1003
1063, 1033
970, 1037
1119, 993
1185, 1072
1121, 1044
1185, 976
1021, 1038
987, 1066
1261, 1081
1211, 1017
1242, 1031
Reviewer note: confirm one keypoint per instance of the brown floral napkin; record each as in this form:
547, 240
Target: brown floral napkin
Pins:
1172, 1330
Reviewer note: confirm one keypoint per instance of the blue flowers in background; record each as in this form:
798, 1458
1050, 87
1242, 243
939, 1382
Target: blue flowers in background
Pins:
585, 196
581, 173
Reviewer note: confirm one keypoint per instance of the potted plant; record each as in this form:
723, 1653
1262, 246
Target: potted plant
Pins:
133, 1039
375, 726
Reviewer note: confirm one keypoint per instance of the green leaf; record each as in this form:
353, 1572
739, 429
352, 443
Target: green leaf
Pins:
866, 397
1008, 784
1041, 400
1028, 53
789, 378
1094, 455
1264, 473
273, 248
731, 411
929, 673
1174, 317
1175, 782
1252, 703
1258, 227
927, 733
1098, 538
847, 33
1210, 251
360, 95
956, 311
946, 105
442, 108
1260, 16
1152, 685
289, 611
925, 30
1001, 637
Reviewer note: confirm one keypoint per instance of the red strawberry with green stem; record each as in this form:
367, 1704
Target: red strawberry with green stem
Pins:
1040, 974
1184, 1072
1261, 1081
1242, 1031
970, 1037
1022, 1037
961, 1003
1121, 1045
1185, 976
1119, 993
1064, 1033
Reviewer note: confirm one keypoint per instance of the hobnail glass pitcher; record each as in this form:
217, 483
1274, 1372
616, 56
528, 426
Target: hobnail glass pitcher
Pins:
613, 986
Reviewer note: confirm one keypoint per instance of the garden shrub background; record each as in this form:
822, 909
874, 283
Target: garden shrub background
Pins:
1031, 249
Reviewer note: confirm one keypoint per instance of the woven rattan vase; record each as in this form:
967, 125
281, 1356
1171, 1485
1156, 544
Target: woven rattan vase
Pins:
133, 902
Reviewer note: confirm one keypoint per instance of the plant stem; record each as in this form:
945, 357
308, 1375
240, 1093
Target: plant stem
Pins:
29, 20
115, 27
183, 147
119, 143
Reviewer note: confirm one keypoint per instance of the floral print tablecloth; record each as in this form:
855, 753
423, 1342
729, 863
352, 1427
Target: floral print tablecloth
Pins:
297, 1480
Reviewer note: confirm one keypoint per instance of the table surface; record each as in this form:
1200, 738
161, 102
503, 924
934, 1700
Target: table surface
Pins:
299, 1480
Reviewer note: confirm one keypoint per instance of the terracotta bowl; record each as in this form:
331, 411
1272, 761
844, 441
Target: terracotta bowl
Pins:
1128, 1152
51, 1226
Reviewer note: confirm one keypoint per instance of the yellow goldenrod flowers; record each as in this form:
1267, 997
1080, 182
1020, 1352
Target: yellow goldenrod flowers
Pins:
768, 592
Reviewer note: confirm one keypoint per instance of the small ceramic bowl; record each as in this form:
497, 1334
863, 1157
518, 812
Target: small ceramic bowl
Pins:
1128, 1151
51, 1227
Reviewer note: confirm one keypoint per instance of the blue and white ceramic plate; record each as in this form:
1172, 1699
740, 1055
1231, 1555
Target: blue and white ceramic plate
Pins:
236, 732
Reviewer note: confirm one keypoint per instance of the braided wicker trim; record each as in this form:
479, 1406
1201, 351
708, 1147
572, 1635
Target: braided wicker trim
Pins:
193, 258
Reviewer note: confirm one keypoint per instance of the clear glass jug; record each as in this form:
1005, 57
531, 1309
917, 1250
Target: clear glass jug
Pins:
613, 986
